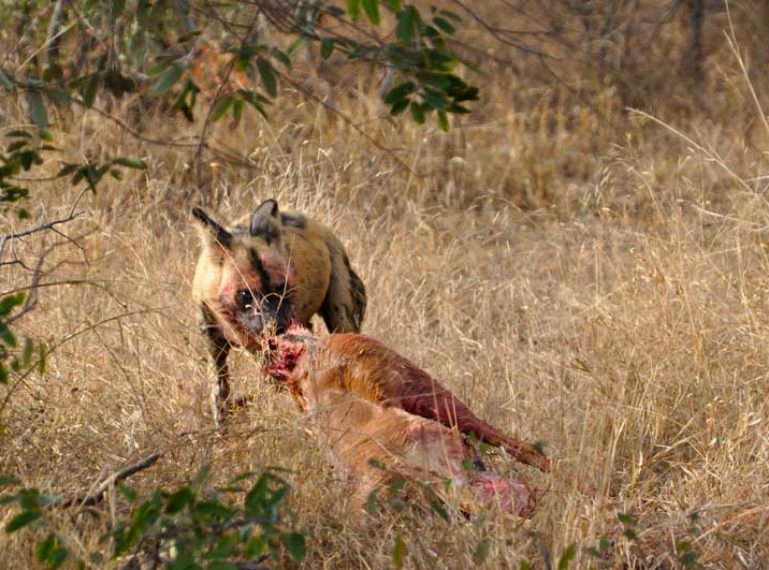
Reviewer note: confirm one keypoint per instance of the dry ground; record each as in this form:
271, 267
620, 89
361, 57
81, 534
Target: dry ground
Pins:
624, 323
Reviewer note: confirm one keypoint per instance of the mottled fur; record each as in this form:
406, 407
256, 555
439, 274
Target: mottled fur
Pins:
266, 269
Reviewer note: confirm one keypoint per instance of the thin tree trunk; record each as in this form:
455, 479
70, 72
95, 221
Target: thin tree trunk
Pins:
53, 39
693, 53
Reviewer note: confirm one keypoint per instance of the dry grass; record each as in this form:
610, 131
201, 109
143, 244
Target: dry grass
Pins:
625, 323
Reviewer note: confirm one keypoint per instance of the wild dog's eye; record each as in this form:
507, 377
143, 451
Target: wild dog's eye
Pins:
244, 298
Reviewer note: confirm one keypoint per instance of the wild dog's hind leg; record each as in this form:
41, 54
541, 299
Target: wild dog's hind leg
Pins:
219, 349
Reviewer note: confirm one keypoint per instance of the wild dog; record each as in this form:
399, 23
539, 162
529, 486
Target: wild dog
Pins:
266, 269
348, 383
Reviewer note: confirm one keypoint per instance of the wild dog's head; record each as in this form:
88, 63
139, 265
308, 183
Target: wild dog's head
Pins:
251, 279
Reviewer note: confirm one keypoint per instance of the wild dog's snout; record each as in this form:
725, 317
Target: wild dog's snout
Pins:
259, 314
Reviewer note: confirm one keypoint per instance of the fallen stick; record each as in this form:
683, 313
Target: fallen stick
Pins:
94, 497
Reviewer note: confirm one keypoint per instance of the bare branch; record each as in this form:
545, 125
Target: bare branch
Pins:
43, 226
329, 107
93, 497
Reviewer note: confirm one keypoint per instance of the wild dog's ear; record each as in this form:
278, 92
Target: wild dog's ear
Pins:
265, 222
212, 229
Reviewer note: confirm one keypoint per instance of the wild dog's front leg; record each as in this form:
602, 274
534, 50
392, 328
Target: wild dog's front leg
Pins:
219, 349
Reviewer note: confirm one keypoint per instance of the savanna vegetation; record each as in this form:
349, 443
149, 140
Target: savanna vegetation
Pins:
559, 209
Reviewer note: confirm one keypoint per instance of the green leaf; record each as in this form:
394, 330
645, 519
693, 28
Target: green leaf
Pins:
452, 16
417, 113
222, 106
399, 551
326, 47
214, 509
21, 520
90, 89
93, 176
255, 100
294, 545
394, 5
353, 9
3, 374
627, 519
42, 353
408, 23
167, 79
295, 46
237, 110
26, 352
481, 552
6, 335
376, 464
67, 169
460, 110
437, 505
223, 549
135, 163
567, 556
399, 106
282, 57
444, 25
435, 99
8, 481
443, 121
9, 302
36, 108
399, 92
129, 494
179, 500
371, 502
18, 133
371, 8
51, 551
257, 496
16, 145
268, 76
58, 96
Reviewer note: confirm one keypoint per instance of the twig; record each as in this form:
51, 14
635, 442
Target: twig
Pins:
329, 107
132, 132
36, 229
94, 497
501, 34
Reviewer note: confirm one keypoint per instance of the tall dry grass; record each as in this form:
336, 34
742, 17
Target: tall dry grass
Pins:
577, 273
